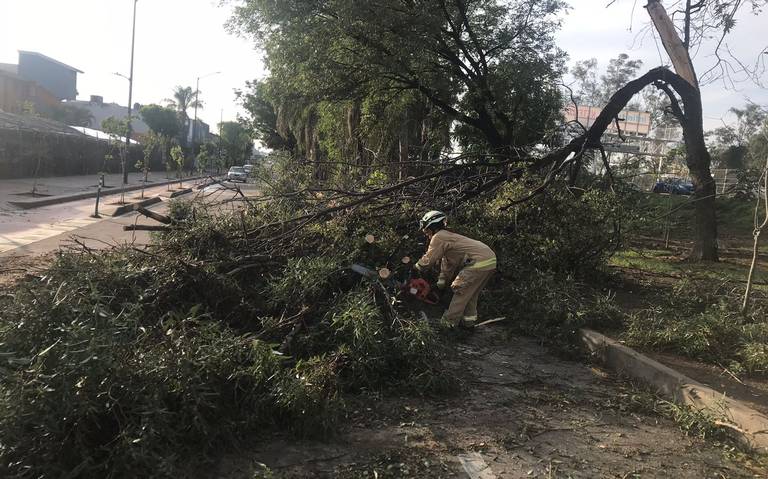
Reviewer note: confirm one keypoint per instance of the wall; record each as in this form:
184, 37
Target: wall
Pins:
22, 152
15, 92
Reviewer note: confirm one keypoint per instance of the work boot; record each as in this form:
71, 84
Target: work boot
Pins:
465, 327
468, 322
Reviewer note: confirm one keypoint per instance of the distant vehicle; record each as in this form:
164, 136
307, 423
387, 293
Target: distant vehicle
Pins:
248, 169
237, 173
673, 186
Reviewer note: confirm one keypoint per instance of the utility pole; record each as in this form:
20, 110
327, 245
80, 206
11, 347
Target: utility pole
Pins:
197, 94
221, 136
130, 96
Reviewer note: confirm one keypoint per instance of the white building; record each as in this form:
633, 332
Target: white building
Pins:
100, 111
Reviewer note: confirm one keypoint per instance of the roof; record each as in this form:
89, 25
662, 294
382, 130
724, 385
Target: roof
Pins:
24, 52
100, 135
9, 121
9, 68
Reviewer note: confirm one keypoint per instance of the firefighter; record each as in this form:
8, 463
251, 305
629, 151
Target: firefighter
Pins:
470, 263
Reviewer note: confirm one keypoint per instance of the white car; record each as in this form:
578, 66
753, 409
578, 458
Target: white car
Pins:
248, 169
237, 173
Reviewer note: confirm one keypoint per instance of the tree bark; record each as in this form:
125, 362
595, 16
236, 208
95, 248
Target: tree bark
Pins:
675, 47
691, 119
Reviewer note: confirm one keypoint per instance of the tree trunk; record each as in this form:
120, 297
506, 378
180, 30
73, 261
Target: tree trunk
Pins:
697, 156
704, 187
705, 236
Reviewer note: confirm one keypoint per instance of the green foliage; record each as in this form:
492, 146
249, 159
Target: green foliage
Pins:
703, 322
177, 156
562, 230
183, 99
108, 375
258, 101
162, 121
236, 141
489, 65
304, 280
117, 127
205, 156
129, 364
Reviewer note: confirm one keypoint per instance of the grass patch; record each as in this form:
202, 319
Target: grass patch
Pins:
702, 320
656, 212
665, 262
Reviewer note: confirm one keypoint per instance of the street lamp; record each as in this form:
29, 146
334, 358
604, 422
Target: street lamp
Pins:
197, 94
130, 95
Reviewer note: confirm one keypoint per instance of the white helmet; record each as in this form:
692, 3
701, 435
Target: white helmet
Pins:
431, 218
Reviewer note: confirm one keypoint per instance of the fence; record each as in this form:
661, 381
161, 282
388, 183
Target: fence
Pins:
31, 146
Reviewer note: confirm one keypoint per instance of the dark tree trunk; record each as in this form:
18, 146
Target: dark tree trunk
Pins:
699, 161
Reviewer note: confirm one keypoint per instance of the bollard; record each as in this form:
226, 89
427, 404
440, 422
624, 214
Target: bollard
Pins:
98, 197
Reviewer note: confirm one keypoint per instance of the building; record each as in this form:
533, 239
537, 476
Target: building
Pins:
631, 123
56, 77
18, 95
201, 131
37, 83
100, 111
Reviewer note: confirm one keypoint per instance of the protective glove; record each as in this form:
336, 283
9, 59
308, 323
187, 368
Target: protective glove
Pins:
416, 270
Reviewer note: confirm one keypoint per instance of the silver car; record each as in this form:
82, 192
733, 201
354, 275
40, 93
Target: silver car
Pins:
237, 173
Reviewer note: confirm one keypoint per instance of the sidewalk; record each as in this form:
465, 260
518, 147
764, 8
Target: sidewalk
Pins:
18, 189
23, 227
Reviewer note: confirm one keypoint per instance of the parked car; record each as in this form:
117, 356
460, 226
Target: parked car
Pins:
673, 186
237, 173
248, 169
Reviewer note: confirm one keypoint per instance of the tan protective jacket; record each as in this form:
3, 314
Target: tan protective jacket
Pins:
454, 251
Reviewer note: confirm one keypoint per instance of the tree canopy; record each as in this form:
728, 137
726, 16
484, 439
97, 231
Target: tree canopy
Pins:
491, 66
161, 120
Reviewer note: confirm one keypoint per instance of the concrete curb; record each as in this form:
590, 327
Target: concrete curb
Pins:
55, 200
123, 209
176, 193
748, 425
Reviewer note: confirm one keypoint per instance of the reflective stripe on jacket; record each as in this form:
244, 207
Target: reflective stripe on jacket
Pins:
454, 251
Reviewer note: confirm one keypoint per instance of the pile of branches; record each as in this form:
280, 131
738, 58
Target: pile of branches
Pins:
243, 314
141, 362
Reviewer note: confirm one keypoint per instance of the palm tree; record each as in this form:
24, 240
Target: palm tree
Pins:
183, 99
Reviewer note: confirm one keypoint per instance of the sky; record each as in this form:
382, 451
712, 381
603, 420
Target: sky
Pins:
176, 41
180, 40
592, 30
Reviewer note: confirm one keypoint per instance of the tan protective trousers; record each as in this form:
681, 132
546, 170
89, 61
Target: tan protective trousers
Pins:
466, 291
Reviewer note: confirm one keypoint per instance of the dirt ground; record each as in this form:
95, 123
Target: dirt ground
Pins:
13, 267
522, 413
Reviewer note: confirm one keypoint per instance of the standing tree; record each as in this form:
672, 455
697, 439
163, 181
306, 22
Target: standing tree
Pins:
730, 147
183, 99
117, 129
165, 125
490, 66
236, 142
177, 156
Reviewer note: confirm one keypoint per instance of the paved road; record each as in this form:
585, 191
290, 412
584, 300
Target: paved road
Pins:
40, 231
23, 227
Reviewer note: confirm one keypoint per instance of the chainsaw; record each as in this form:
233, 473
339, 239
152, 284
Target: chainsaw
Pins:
418, 288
